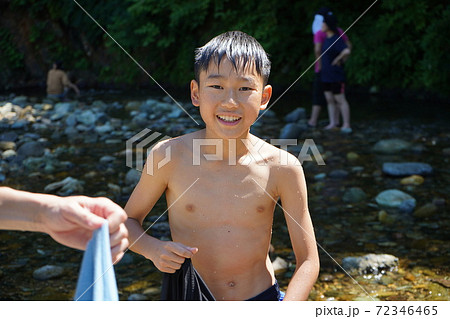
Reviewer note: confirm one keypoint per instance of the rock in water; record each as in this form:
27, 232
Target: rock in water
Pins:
132, 177
31, 149
280, 265
48, 272
290, 130
406, 169
66, 187
426, 210
370, 264
412, 180
394, 198
391, 146
354, 195
297, 114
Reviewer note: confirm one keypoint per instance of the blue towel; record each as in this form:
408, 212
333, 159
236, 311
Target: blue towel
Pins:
97, 281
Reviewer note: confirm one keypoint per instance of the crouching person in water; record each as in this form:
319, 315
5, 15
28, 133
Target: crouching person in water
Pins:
222, 195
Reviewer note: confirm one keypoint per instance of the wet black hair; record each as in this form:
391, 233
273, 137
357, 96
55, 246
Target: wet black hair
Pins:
238, 47
59, 64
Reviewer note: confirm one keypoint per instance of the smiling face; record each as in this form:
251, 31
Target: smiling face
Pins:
229, 100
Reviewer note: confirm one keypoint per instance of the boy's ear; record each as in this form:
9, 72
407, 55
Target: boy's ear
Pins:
195, 93
267, 94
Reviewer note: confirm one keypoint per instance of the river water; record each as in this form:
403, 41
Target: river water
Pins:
342, 229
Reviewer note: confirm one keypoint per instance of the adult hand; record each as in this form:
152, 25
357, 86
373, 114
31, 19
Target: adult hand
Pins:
72, 220
169, 255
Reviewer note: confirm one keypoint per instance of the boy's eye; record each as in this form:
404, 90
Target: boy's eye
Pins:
246, 89
215, 87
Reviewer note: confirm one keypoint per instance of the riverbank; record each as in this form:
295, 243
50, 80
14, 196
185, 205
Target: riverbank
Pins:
43, 143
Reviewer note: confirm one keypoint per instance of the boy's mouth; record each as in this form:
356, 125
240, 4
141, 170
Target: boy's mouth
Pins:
228, 119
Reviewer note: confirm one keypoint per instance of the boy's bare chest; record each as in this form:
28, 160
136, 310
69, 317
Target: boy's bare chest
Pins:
222, 195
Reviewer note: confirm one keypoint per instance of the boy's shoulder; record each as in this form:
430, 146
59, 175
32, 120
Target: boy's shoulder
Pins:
275, 156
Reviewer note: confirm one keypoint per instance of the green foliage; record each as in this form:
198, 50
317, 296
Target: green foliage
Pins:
395, 44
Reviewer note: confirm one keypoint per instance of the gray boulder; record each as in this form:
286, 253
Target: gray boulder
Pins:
132, 177
291, 131
354, 195
395, 199
48, 272
31, 149
87, 118
407, 169
370, 264
391, 146
297, 114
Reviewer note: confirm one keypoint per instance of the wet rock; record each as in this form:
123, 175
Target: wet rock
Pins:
320, 176
71, 120
405, 169
132, 177
426, 211
65, 187
385, 218
412, 180
290, 130
48, 272
161, 227
298, 114
280, 265
20, 100
104, 129
9, 137
394, 198
107, 159
410, 277
31, 149
352, 156
64, 108
132, 106
391, 146
2, 177
87, 118
137, 297
354, 195
370, 264
5, 145
338, 174
8, 153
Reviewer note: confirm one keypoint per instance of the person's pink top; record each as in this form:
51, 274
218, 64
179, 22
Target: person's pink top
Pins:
320, 36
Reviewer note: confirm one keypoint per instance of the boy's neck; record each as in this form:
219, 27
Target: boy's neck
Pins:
233, 148
330, 33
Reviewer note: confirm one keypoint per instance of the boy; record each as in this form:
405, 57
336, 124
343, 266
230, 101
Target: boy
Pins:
221, 196
58, 83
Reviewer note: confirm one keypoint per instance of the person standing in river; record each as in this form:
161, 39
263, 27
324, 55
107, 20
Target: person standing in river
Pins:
318, 99
334, 53
58, 83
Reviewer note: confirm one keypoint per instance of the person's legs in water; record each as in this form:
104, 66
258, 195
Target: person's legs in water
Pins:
318, 100
331, 110
345, 110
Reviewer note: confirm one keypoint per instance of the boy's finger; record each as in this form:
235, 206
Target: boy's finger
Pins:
184, 251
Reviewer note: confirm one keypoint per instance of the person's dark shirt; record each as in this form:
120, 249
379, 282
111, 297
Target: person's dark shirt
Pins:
332, 73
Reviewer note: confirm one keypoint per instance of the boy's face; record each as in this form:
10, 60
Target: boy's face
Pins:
229, 100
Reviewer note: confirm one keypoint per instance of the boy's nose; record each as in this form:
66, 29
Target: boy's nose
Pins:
230, 100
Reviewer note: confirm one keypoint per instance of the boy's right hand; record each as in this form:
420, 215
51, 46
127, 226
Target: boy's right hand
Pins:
169, 255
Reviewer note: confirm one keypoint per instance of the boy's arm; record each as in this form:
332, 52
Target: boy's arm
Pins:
166, 255
293, 193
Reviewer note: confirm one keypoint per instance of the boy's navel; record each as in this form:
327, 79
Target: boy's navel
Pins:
190, 207
260, 209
